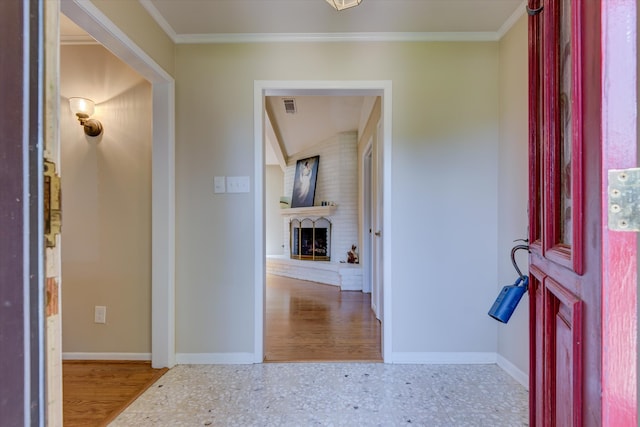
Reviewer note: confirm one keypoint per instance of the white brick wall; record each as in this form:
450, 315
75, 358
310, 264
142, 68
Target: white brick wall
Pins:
337, 182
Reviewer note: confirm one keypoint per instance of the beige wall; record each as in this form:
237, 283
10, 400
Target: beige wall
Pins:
452, 105
513, 338
444, 186
106, 182
447, 133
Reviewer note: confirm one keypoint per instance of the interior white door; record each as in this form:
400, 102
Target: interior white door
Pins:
367, 235
376, 223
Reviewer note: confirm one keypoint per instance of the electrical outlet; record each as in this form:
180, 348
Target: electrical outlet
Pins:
100, 314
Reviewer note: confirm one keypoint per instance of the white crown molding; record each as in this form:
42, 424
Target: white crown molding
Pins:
157, 16
335, 37
77, 40
214, 38
511, 21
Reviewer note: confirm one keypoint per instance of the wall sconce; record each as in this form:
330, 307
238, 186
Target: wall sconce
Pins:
83, 108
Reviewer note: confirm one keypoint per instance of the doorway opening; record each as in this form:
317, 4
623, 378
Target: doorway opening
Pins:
110, 179
98, 26
285, 89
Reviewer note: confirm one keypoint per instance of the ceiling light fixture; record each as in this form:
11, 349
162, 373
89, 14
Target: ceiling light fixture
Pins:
343, 4
83, 108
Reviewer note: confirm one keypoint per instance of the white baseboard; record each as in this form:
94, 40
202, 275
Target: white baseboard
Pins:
215, 358
106, 356
470, 358
436, 358
514, 371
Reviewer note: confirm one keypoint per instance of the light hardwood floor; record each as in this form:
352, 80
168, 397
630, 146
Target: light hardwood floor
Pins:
308, 321
95, 392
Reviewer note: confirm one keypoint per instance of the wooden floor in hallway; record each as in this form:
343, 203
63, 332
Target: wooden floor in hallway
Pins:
94, 392
313, 322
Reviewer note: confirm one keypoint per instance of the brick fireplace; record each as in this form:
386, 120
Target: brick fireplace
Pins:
337, 182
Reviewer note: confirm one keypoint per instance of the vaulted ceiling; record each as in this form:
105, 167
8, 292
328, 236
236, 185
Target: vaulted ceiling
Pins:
320, 117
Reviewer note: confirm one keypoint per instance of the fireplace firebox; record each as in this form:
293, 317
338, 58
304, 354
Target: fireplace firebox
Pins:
310, 239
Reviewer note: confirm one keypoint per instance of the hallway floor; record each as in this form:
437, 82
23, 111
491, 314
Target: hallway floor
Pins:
331, 394
312, 322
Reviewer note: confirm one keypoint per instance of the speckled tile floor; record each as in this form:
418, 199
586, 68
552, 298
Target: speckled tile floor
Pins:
330, 394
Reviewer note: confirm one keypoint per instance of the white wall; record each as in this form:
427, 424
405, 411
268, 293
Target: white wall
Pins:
106, 205
513, 337
444, 183
274, 232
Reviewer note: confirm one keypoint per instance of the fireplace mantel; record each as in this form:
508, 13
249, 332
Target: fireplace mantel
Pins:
312, 211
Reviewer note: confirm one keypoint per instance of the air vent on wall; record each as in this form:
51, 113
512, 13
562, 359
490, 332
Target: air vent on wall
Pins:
289, 105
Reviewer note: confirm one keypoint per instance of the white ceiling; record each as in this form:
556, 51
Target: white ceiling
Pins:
190, 17
320, 117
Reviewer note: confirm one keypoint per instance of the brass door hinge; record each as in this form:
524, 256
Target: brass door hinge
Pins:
624, 199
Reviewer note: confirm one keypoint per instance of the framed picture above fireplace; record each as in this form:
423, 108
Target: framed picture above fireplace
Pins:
304, 182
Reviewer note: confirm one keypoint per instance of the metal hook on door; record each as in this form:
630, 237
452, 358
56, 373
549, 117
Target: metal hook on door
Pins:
510, 296
513, 257
533, 12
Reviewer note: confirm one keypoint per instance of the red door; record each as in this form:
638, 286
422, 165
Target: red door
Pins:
583, 275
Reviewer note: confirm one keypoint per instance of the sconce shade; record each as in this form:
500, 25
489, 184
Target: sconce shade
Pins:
343, 4
82, 106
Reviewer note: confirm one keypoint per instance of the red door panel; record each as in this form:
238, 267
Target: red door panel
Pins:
558, 221
536, 334
581, 64
564, 329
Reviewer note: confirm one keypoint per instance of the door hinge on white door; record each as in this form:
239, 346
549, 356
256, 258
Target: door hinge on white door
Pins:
624, 199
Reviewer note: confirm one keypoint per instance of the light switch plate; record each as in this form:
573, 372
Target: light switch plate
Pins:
219, 184
100, 314
237, 184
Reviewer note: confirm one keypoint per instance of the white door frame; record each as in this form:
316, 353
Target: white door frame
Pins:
101, 28
264, 88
